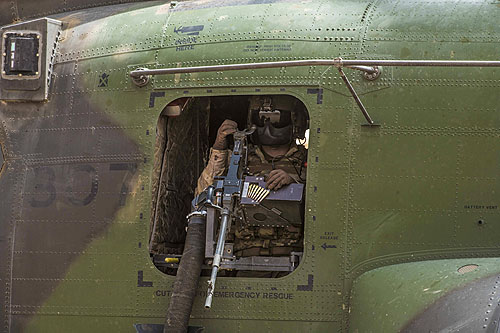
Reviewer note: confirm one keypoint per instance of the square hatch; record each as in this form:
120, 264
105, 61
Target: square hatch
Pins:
27, 59
21, 55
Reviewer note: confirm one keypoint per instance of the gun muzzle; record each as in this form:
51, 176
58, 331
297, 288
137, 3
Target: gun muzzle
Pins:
217, 257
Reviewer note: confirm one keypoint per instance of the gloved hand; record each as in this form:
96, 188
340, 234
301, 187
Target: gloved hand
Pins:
277, 179
228, 127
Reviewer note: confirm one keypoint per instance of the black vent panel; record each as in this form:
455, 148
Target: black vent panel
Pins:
21, 54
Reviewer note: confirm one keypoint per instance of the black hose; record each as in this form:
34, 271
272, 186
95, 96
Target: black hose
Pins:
186, 280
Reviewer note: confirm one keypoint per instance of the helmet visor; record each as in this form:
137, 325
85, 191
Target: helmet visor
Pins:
269, 135
277, 118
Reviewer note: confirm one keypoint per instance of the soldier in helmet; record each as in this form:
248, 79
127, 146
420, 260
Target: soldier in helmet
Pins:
274, 155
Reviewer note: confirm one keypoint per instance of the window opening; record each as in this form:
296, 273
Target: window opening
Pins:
193, 148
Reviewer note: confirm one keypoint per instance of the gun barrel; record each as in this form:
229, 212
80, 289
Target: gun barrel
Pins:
217, 257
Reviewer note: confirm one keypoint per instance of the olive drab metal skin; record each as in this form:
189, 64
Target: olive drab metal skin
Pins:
401, 219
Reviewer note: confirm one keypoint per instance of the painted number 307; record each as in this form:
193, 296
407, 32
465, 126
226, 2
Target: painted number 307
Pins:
46, 183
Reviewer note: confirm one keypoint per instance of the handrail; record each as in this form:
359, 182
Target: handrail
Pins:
359, 64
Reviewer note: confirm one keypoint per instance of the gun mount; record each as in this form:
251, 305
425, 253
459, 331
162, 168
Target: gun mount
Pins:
225, 192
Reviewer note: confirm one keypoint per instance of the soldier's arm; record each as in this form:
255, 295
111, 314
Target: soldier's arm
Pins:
219, 156
216, 166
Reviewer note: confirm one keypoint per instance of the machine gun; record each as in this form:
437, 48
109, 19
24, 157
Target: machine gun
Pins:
229, 196
224, 195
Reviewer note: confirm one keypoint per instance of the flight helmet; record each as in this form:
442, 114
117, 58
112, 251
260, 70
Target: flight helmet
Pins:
278, 119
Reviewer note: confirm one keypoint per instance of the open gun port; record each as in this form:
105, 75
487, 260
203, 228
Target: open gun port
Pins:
265, 232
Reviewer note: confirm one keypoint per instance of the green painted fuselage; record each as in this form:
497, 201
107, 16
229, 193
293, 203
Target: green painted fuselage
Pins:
392, 211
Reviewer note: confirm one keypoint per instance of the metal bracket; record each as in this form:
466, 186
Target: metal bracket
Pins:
196, 213
210, 233
356, 98
141, 80
374, 74
369, 72
254, 263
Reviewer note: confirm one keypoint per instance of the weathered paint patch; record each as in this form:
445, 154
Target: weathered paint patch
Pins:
162, 10
429, 284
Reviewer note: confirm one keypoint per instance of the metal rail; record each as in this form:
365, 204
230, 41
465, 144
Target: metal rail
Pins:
356, 97
359, 64
371, 68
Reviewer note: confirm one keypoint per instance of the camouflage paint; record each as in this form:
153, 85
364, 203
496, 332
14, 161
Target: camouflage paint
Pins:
383, 294
413, 189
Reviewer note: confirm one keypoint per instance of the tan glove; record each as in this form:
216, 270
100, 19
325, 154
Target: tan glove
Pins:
228, 127
277, 179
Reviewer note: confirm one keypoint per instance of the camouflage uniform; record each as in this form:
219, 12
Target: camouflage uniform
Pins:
263, 241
